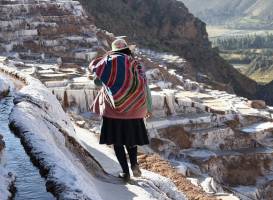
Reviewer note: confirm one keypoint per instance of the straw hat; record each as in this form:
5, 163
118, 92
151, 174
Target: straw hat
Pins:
120, 44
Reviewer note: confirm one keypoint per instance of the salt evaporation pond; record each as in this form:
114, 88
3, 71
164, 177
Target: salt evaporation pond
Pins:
29, 183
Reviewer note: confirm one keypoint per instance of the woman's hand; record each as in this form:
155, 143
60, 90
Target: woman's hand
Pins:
148, 115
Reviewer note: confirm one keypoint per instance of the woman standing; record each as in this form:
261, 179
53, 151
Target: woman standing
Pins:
123, 102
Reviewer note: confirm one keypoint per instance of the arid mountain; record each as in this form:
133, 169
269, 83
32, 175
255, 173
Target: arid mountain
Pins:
235, 13
167, 25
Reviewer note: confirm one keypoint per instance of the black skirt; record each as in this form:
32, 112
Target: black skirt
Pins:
123, 132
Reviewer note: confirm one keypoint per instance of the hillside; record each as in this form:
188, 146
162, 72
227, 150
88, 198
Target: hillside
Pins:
235, 13
167, 25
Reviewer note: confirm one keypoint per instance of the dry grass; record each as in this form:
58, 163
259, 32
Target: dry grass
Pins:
262, 77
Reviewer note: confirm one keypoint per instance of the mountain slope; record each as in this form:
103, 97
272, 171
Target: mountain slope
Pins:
217, 12
238, 13
261, 9
143, 19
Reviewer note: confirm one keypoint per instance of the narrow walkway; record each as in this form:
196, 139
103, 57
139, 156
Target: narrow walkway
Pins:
147, 187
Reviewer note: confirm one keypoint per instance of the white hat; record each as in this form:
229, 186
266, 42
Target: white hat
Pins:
120, 44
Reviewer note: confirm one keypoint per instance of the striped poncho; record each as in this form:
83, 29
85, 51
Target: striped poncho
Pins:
123, 80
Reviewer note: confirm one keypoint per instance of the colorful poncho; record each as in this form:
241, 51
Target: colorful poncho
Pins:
124, 81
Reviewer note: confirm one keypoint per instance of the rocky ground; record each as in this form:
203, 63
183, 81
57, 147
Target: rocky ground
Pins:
156, 164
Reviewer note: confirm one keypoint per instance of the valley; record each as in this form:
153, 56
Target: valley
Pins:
245, 22
223, 31
249, 51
